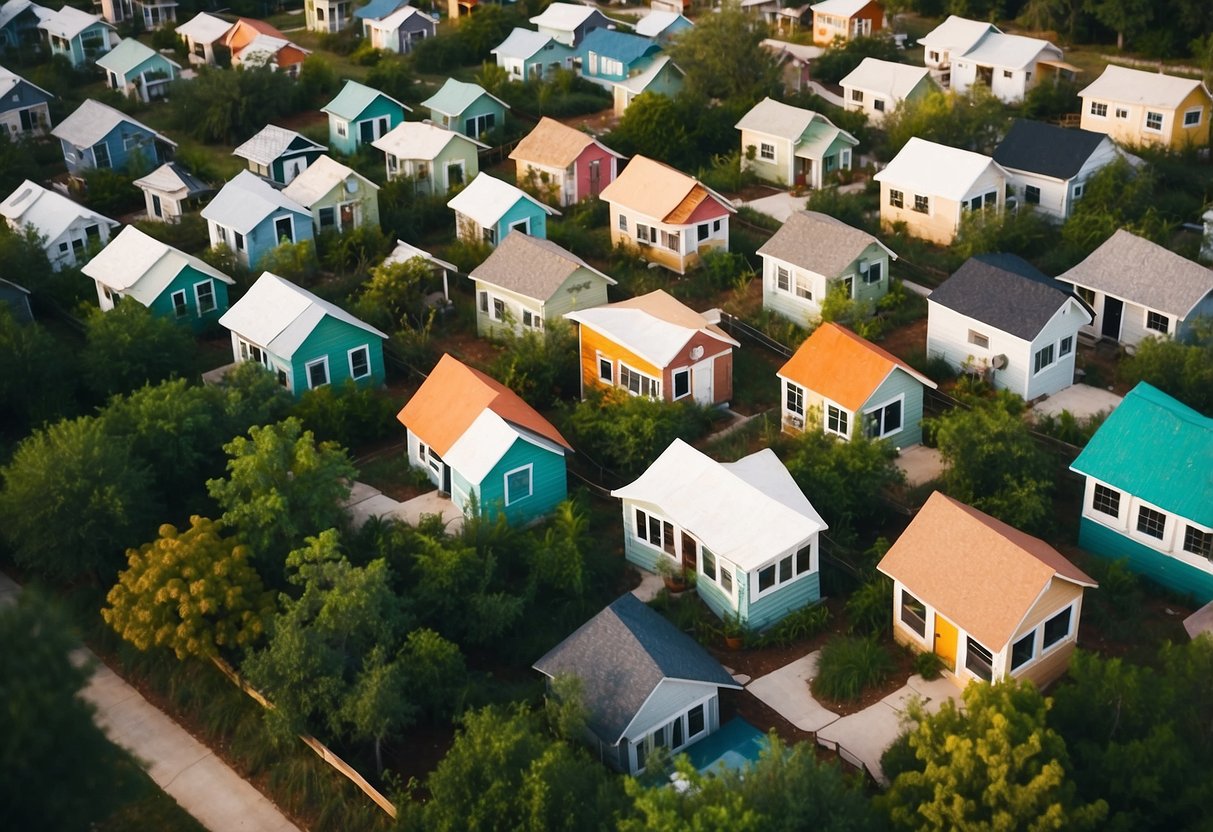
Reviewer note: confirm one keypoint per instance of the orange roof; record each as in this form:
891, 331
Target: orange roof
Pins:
836, 363
554, 144
982, 574
238, 36
453, 397
657, 190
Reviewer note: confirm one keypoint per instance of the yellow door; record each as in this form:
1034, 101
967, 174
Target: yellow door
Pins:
945, 641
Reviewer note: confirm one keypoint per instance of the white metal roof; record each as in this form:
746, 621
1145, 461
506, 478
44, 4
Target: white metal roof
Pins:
747, 511
956, 35
1135, 86
487, 199
270, 143
639, 82
142, 267
49, 212
246, 200
396, 19
486, 441
925, 167
405, 251
888, 77
68, 22
279, 316
127, 55
419, 140
319, 178
92, 121
656, 22
655, 338
774, 118
564, 17
521, 43
1008, 51
204, 28
842, 8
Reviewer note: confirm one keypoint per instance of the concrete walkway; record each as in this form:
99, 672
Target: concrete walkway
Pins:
366, 501
786, 691
1081, 400
203, 784
780, 206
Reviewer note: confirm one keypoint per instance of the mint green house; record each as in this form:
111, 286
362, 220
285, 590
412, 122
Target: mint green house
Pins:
305, 340
138, 71
744, 529
1149, 491
434, 158
339, 198
169, 282
466, 108
359, 115
789, 145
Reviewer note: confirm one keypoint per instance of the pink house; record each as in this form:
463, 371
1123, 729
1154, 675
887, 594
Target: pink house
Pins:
563, 165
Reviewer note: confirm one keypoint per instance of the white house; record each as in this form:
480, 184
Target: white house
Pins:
435, 158
1009, 65
949, 40
169, 191
67, 228
877, 88
527, 55
201, 33
792, 146
569, 23
999, 316
401, 30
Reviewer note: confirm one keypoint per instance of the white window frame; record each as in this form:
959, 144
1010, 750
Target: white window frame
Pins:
1041, 649
1099, 109
766, 151
210, 284
793, 394
1052, 348
530, 491
783, 279
684, 371
1168, 526
365, 348
844, 416
323, 361
900, 401
1146, 322
181, 310
1146, 123
979, 339
610, 363
523, 225
654, 383
756, 593
290, 220
1196, 111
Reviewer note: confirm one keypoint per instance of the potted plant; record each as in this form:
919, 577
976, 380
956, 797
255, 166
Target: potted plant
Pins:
734, 630
673, 574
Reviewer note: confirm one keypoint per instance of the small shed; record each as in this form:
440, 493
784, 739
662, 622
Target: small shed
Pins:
170, 191
467, 108
279, 154
488, 209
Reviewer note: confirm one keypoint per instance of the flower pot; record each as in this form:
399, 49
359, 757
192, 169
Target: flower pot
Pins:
675, 584
733, 642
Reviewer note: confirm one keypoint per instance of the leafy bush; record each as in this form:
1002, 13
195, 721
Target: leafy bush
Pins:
724, 271
410, 215
542, 367
317, 81
353, 252
848, 666
110, 192
128, 347
392, 76
347, 414
222, 107
466, 255
294, 261
1069, 428
838, 61
928, 665
852, 208
797, 626
1180, 369
394, 297
870, 607
189, 234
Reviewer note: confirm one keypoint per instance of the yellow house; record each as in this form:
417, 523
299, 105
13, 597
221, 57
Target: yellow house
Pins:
1139, 108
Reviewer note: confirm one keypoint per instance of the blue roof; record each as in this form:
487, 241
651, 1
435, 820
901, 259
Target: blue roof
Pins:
379, 9
621, 46
1157, 449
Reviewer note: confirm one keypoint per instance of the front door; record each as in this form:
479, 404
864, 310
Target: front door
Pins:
446, 479
366, 131
945, 641
701, 383
595, 177
1113, 309
292, 168
347, 216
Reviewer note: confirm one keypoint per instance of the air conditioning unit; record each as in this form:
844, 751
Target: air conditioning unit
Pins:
999, 362
796, 422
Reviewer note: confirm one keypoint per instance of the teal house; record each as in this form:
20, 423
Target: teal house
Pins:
138, 71
744, 530
308, 342
466, 108
608, 55
479, 442
359, 115
76, 35
278, 154
96, 136
251, 217
171, 283
488, 209
1149, 491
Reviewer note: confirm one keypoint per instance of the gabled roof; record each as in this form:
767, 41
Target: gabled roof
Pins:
419, 140
10, 10
999, 49
49, 212
279, 316
620, 656
1136, 86
456, 96
259, 26
654, 326
407, 251
621, 46
1046, 149
487, 198
266, 45
129, 54
92, 121
657, 21
379, 9
648, 187
925, 167
319, 178
173, 177
957, 34
68, 22
454, 397
530, 266
800, 52
836, 363
354, 98
980, 573
1006, 292
271, 142
894, 79
639, 82
842, 8
746, 511
553, 144
10, 80
204, 28
247, 200
142, 267
397, 18
563, 17
1157, 449
820, 243
522, 43
774, 118
1134, 269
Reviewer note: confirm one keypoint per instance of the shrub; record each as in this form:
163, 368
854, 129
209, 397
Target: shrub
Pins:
294, 261
838, 61
347, 414
110, 192
542, 367
848, 666
928, 665
353, 251
189, 235
725, 271
796, 626
870, 607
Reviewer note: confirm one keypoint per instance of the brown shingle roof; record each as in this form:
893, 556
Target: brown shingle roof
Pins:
656, 190
553, 144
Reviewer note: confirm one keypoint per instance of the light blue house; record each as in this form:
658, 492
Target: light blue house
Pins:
78, 36
359, 115
250, 216
466, 108
488, 209
481, 443
305, 340
607, 55
24, 107
744, 529
1149, 491
528, 55
98, 136
138, 71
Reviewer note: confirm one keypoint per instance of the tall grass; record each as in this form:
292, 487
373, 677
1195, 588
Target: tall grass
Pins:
848, 666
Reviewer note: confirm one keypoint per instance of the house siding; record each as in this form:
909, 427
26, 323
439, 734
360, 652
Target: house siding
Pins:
334, 339
803, 311
1133, 320
1057, 195
381, 107
942, 221
278, 169
1131, 130
75, 233
573, 294
1162, 569
549, 483
763, 612
141, 157
28, 98
691, 248
901, 383
581, 167
592, 343
868, 105
482, 106
777, 170
667, 82
185, 281
524, 209
366, 198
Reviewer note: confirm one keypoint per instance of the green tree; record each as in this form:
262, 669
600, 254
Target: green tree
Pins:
839, 60
294, 261
128, 347
36, 384
995, 765
222, 106
1118, 195
558, 563
1183, 369
394, 297
347, 414
74, 499
253, 397
191, 591
542, 367
711, 53
974, 120
1127, 18
49, 730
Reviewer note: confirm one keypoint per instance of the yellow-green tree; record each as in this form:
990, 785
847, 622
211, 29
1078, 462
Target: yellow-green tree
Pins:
191, 591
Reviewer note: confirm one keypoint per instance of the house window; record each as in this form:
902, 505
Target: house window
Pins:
766, 151
682, 383
1031, 195
1192, 118
239, 238
1057, 628
883, 421
1106, 500
783, 279
726, 580
638, 384
655, 531
180, 307
715, 226
1099, 109
922, 204
1006, 73
498, 309
1044, 359
1151, 523
704, 231
857, 95
157, 207
623, 223
317, 373
606, 370
360, 362
490, 235
454, 174
1198, 542
837, 420
101, 155
518, 484
646, 233
802, 288
251, 352
978, 660
328, 218
479, 125
1121, 112
484, 302
775, 574
523, 225
804, 559
979, 340
531, 320
672, 240
284, 230
874, 273
708, 564
204, 295
1153, 121
1066, 347
1157, 322
914, 613
878, 105
342, 130
897, 199
696, 723
795, 399
1023, 651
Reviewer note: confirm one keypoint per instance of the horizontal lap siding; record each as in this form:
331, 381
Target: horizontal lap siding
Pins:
939, 225
334, 338
1049, 668
573, 294
593, 342
902, 383
549, 484
637, 551
870, 291
489, 327
715, 597
524, 209
1162, 569
769, 609
185, 281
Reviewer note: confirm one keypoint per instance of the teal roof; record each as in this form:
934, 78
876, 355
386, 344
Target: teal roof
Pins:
457, 96
128, 55
1157, 449
621, 46
354, 98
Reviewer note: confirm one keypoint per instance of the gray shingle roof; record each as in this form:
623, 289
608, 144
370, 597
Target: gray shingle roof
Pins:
1004, 291
1047, 149
530, 266
621, 655
818, 242
1137, 270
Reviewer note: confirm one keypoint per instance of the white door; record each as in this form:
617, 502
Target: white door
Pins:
701, 382
292, 168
